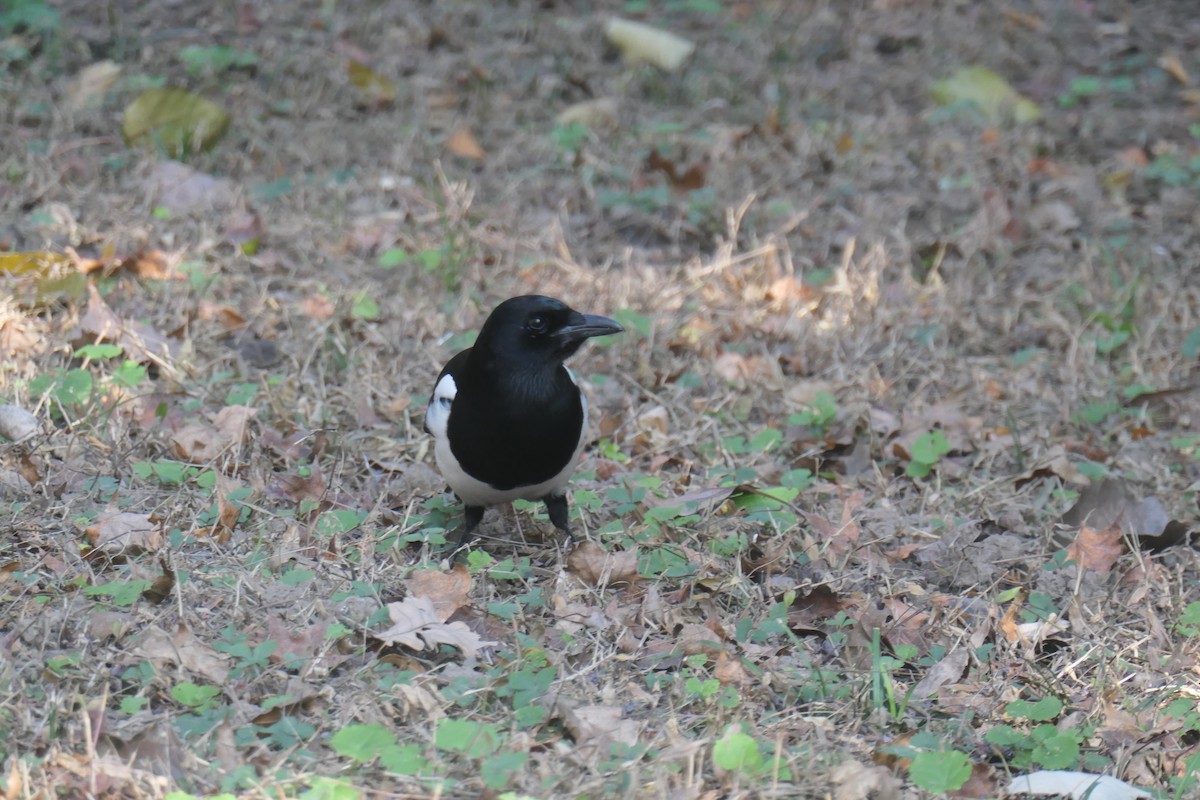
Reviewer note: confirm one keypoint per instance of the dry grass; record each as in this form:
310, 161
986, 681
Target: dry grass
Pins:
929, 274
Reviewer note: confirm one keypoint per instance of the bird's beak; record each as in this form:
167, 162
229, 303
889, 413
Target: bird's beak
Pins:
585, 326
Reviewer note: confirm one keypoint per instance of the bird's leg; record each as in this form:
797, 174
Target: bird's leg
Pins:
556, 507
472, 515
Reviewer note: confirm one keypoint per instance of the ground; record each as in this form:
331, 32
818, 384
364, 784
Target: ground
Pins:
892, 473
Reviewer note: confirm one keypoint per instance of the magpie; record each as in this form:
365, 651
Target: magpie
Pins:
507, 417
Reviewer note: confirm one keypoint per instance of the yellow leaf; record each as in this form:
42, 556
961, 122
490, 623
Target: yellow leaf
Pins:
597, 114
181, 121
378, 89
988, 91
640, 43
41, 262
69, 286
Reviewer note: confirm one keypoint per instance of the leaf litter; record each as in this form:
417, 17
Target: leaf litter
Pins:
758, 577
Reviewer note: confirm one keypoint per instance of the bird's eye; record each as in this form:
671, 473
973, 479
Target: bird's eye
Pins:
537, 323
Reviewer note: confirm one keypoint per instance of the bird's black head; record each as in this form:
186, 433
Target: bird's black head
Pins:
539, 332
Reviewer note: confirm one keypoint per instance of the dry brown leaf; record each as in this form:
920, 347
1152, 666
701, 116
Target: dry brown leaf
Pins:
180, 189
1035, 633
463, 144
419, 702
803, 393
156, 749
184, 649
742, 370
884, 423
1007, 624
1173, 66
198, 443
853, 780
956, 425
318, 306
228, 512
1097, 548
652, 426
229, 317
573, 616
162, 585
732, 367
907, 624
112, 773
1119, 723
687, 180
981, 784
32, 468
140, 342
292, 445
788, 293
949, 670
840, 538
729, 671
415, 624
151, 264
904, 551
694, 638
1054, 461
118, 532
103, 624
305, 646
821, 603
1030, 21
595, 728
90, 84
297, 487
595, 566
13, 787
448, 591
859, 651
231, 422
21, 336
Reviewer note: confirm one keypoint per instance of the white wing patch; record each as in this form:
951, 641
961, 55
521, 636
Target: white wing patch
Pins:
437, 416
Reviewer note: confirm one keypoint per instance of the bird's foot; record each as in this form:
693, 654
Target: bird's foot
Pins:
472, 516
556, 507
